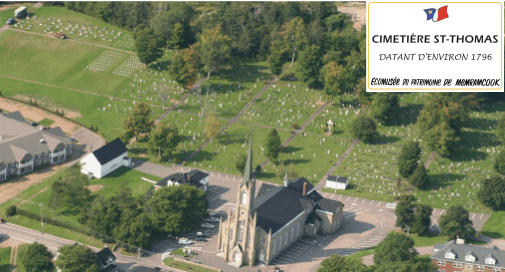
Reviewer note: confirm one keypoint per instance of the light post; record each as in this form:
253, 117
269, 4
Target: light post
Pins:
408, 230
323, 250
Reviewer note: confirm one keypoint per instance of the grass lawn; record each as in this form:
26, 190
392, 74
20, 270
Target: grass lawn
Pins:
494, 225
363, 253
19, 266
227, 92
221, 153
186, 266
427, 239
285, 105
56, 18
191, 131
46, 122
109, 123
313, 155
111, 183
5, 254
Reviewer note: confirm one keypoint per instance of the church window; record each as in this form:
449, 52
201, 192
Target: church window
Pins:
287, 237
244, 197
240, 232
298, 230
280, 244
231, 234
263, 240
292, 233
274, 247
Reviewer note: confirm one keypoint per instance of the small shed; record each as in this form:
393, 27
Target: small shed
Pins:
337, 182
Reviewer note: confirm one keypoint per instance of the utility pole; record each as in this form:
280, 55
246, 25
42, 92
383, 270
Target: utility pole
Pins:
159, 154
139, 257
42, 219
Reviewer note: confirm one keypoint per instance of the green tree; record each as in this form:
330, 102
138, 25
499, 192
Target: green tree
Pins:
492, 192
185, 66
276, 62
335, 77
293, 37
419, 178
337, 263
164, 139
404, 211
363, 128
273, 145
396, 247
178, 209
136, 231
309, 66
215, 50
281, 171
176, 39
441, 138
456, 222
409, 156
211, 127
383, 105
365, 98
149, 44
139, 121
500, 128
77, 258
240, 162
36, 258
499, 163
422, 219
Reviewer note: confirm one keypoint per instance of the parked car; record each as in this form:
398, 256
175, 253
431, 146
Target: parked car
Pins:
34, 124
184, 241
218, 213
207, 225
11, 21
200, 239
2, 220
213, 219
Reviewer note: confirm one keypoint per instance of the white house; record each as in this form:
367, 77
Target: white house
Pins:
337, 182
194, 177
106, 159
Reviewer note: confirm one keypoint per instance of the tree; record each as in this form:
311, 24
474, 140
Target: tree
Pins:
276, 61
383, 105
419, 178
422, 219
335, 77
410, 266
77, 258
273, 145
409, 156
215, 50
240, 162
136, 231
365, 98
70, 190
363, 128
492, 192
499, 163
396, 247
139, 121
164, 139
404, 211
211, 127
500, 128
341, 264
185, 66
149, 44
441, 138
281, 171
178, 209
127, 136
36, 258
309, 66
456, 222
293, 37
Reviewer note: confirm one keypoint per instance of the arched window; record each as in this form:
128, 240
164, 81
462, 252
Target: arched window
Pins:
244, 197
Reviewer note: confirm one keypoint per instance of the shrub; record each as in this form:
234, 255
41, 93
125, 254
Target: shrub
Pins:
11, 211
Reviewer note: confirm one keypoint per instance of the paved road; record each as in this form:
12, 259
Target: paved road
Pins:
233, 120
89, 139
296, 132
53, 243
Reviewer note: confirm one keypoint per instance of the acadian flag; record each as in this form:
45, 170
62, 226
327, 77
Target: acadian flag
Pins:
437, 15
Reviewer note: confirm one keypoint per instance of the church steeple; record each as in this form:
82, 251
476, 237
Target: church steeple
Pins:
248, 165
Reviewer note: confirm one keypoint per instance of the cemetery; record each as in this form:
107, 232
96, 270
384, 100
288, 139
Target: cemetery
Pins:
285, 105
76, 26
340, 115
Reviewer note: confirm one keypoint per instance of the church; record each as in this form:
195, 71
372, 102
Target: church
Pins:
266, 223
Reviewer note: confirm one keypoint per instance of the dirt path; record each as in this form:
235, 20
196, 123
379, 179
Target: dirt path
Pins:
3, 28
70, 40
355, 9
72, 89
293, 135
37, 115
320, 185
429, 160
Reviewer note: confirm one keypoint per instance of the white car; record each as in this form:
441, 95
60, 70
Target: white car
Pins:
207, 225
184, 241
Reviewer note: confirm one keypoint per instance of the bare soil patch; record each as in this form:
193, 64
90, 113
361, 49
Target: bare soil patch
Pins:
37, 115
68, 113
95, 188
357, 8
319, 103
174, 101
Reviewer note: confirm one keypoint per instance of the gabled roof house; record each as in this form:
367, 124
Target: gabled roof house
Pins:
106, 159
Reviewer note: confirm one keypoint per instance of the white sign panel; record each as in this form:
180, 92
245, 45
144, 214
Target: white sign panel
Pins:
435, 46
